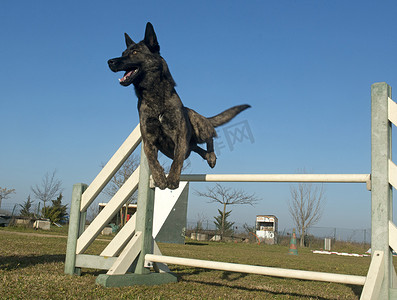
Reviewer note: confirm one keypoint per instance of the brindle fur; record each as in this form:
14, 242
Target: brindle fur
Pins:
166, 124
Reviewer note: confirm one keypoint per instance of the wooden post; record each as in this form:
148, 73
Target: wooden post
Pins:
144, 214
382, 207
76, 227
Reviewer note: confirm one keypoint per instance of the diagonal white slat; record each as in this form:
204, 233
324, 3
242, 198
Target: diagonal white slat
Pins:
111, 168
127, 256
392, 174
121, 239
392, 236
392, 111
374, 277
114, 205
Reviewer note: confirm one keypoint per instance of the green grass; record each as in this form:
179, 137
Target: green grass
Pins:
32, 267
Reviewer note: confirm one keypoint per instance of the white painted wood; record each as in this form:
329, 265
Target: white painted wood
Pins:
111, 168
287, 273
159, 267
374, 277
392, 174
392, 236
121, 239
392, 111
127, 256
164, 201
108, 212
94, 262
337, 178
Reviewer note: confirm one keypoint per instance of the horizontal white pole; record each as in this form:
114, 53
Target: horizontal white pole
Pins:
348, 178
277, 272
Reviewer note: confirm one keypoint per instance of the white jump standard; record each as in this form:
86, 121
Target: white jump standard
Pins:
134, 248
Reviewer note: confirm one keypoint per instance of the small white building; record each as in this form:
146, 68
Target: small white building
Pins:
267, 228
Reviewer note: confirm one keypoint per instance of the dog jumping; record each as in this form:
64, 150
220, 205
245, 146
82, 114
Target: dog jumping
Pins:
166, 125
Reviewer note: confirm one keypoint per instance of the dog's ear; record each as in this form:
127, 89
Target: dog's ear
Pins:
151, 39
128, 40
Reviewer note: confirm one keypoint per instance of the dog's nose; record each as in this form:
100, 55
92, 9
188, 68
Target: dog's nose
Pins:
112, 64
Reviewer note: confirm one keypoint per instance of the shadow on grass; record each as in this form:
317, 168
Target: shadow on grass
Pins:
248, 289
22, 261
196, 244
357, 290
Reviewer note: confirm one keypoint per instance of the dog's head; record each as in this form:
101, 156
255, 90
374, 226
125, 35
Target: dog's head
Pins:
137, 56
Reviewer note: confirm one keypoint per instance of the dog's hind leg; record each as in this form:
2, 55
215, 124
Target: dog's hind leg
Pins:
199, 151
211, 157
208, 155
157, 170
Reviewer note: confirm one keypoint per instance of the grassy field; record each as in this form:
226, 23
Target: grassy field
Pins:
32, 265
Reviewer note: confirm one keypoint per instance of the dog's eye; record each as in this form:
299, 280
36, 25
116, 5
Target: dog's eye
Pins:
134, 52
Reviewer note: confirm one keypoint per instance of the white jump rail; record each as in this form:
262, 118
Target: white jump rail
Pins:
335, 178
314, 178
277, 272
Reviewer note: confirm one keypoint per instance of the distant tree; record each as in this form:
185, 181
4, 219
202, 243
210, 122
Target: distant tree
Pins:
306, 206
122, 176
5, 194
117, 182
56, 212
25, 208
199, 223
249, 229
227, 196
48, 189
224, 227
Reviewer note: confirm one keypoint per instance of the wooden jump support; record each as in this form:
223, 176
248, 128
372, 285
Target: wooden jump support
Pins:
134, 246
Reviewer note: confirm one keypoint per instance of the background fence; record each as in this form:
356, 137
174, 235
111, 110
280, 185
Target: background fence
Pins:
361, 235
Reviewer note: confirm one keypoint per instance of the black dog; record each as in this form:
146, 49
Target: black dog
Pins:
166, 125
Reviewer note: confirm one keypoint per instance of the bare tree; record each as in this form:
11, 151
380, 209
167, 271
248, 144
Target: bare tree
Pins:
122, 176
5, 194
49, 189
227, 196
306, 206
117, 181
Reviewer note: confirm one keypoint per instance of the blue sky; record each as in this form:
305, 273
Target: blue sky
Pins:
306, 68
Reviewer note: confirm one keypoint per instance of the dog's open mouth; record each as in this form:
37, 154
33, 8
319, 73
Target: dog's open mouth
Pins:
128, 76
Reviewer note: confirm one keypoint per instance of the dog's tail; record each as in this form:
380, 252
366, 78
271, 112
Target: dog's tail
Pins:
227, 115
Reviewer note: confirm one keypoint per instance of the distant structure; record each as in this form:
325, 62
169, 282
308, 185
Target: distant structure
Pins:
267, 228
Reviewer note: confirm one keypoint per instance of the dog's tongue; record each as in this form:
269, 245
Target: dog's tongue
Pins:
126, 75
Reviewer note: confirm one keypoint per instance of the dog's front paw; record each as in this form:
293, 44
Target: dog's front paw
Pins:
160, 182
211, 159
173, 182
173, 185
